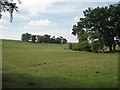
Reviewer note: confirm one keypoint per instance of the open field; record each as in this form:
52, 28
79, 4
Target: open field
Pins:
29, 65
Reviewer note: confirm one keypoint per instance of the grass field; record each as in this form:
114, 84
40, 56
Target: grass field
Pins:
29, 65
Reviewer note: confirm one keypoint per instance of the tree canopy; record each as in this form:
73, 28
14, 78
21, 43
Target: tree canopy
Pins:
43, 39
8, 6
101, 24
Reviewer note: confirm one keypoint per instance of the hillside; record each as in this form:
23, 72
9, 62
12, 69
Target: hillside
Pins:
29, 65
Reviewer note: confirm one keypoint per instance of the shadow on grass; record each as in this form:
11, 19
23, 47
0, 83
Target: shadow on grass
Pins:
27, 81
16, 80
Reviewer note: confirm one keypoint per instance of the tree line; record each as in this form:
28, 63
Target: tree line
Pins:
43, 39
100, 26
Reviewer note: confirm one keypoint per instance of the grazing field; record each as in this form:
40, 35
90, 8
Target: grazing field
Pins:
29, 65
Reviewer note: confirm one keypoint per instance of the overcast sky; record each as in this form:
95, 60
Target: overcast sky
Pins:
40, 17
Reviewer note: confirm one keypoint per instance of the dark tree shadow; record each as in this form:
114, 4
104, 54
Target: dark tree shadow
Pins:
16, 80
28, 81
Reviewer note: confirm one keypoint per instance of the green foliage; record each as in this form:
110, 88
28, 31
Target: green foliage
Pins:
83, 37
94, 46
101, 23
70, 46
58, 40
43, 39
81, 46
64, 41
78, 30
26, 37
47, 38
33, 38
40, 39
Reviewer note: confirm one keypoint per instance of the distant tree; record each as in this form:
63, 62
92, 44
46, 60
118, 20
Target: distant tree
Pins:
58, 40
40, 39
64, 41
26, 37
23, 37
52, 40
61, 39
33, 37
43, 39
53, 37
47, 38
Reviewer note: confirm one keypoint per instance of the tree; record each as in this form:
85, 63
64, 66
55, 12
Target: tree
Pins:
33, 37
47, 38
64, 41
40, 39
58, 40
94, 46
101, 24
8, 6
23, 37
52, 40
79, 31
26, 37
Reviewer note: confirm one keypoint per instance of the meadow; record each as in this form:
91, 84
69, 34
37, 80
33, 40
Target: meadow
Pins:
35, 65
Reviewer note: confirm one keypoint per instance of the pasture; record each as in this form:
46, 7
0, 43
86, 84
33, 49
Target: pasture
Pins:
35, 65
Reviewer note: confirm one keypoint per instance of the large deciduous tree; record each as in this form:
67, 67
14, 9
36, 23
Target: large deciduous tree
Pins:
101, 24
79, 30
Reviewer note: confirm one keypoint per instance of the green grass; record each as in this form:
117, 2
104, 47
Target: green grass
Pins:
29, 65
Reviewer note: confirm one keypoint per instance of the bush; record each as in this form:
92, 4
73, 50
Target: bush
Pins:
75, 46
94, 46
70, 46
81, 46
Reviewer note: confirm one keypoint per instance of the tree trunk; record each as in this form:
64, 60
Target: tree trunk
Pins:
114, 48
110, 48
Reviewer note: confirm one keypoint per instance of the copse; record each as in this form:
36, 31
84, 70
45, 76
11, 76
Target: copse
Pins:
43, 39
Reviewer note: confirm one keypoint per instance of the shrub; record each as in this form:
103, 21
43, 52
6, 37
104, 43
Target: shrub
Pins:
94, 46
74, 46
81, 46
70, 46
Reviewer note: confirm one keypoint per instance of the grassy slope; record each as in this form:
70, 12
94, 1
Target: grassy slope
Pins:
50, 65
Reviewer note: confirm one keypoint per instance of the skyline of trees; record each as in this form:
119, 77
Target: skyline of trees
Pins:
43, 39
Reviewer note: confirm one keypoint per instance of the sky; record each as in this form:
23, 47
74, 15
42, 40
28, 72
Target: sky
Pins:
53, 17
